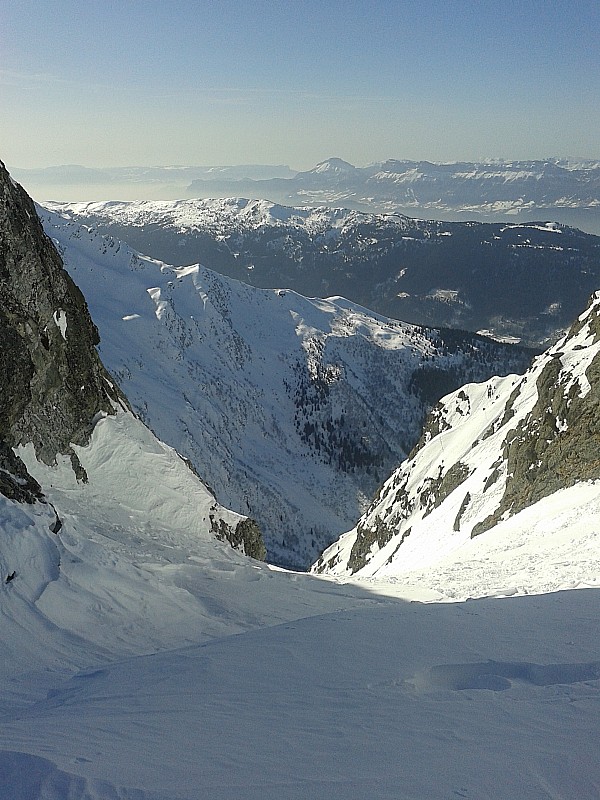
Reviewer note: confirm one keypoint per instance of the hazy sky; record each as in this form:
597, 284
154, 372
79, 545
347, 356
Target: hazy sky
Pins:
148, 82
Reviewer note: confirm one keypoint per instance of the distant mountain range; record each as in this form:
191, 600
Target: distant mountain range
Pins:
75, 174
76, 182
524, 282
557, 190
566, 191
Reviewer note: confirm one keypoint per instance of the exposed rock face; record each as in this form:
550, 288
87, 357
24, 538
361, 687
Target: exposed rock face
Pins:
53, 383
488, 452
15, 482
246, 536
558, 443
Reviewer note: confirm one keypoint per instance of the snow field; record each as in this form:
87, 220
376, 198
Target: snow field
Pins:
146, 661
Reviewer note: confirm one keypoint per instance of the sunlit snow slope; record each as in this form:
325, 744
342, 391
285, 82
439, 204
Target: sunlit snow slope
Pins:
143, 660
502, 467
293, 410
526, 281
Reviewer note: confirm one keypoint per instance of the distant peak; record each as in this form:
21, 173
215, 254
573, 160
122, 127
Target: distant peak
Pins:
333, 165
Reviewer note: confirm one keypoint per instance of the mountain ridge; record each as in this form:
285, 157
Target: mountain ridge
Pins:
566, 190
521, 282
54, 384
488, 452
56, 391
292, 409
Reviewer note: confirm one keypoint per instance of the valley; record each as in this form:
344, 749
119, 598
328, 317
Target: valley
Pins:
293, 410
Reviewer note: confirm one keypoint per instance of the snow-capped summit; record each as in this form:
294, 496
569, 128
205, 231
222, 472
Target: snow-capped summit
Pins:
331, 166
506, 462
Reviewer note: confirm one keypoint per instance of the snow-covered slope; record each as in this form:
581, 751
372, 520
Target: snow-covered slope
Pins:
292, 410
490, 700
144, 662
93, 573
511, 462
527, 281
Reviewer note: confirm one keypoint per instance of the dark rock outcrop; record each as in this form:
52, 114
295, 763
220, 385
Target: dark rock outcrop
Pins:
246, 536
558, 443
53, 382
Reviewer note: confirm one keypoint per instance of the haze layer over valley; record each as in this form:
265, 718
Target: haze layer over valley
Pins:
496, 190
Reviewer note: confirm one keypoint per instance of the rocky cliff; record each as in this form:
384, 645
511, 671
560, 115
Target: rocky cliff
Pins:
53, 383
488, 452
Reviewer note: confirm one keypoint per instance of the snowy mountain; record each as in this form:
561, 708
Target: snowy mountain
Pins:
142, 659
292, 410
523, 281
492, 190
56, 392
512, 458
144, 663
564, 190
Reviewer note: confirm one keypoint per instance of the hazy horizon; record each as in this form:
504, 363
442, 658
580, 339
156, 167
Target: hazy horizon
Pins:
110, 84
78, 183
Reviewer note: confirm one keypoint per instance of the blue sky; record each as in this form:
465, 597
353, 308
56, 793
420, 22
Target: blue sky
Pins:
140, 82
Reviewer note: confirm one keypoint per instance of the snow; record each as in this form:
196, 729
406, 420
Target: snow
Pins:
427, 532
199, 362
498, 338
506, 560
60, 320
136, 671
221, 217
550, 227
144, 660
